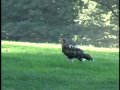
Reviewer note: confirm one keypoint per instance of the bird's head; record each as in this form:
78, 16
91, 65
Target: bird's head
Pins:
62, 40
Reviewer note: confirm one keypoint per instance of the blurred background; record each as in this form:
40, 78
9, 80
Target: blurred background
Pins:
88, 22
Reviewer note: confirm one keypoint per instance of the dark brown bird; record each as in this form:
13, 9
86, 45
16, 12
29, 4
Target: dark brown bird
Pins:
72, 51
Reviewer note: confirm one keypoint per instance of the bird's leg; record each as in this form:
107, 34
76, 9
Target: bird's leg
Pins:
83, 60
93, 59
80, 59
70, 59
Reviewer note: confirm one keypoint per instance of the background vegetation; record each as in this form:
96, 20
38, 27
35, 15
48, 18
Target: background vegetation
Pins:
88, 22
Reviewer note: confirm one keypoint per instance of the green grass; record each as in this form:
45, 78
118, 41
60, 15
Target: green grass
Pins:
32, 66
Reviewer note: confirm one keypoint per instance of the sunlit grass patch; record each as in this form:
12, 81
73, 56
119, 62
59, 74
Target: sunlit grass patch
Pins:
49, 45
42, 45
99, 49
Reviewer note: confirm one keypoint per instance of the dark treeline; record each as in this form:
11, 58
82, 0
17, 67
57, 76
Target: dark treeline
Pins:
88, 22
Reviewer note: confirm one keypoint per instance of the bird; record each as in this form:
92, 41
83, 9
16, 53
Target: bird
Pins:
71, 51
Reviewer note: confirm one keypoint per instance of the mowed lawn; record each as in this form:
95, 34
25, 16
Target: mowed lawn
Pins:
32, 66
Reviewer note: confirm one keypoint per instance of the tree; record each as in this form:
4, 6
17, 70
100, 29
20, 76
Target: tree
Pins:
88, 21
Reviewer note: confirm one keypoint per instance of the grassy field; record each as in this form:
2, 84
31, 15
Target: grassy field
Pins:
32, 66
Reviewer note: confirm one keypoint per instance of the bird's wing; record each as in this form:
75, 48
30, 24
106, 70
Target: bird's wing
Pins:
74, 50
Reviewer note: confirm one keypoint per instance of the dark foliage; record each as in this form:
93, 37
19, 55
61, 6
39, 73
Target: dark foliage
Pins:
44, 20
